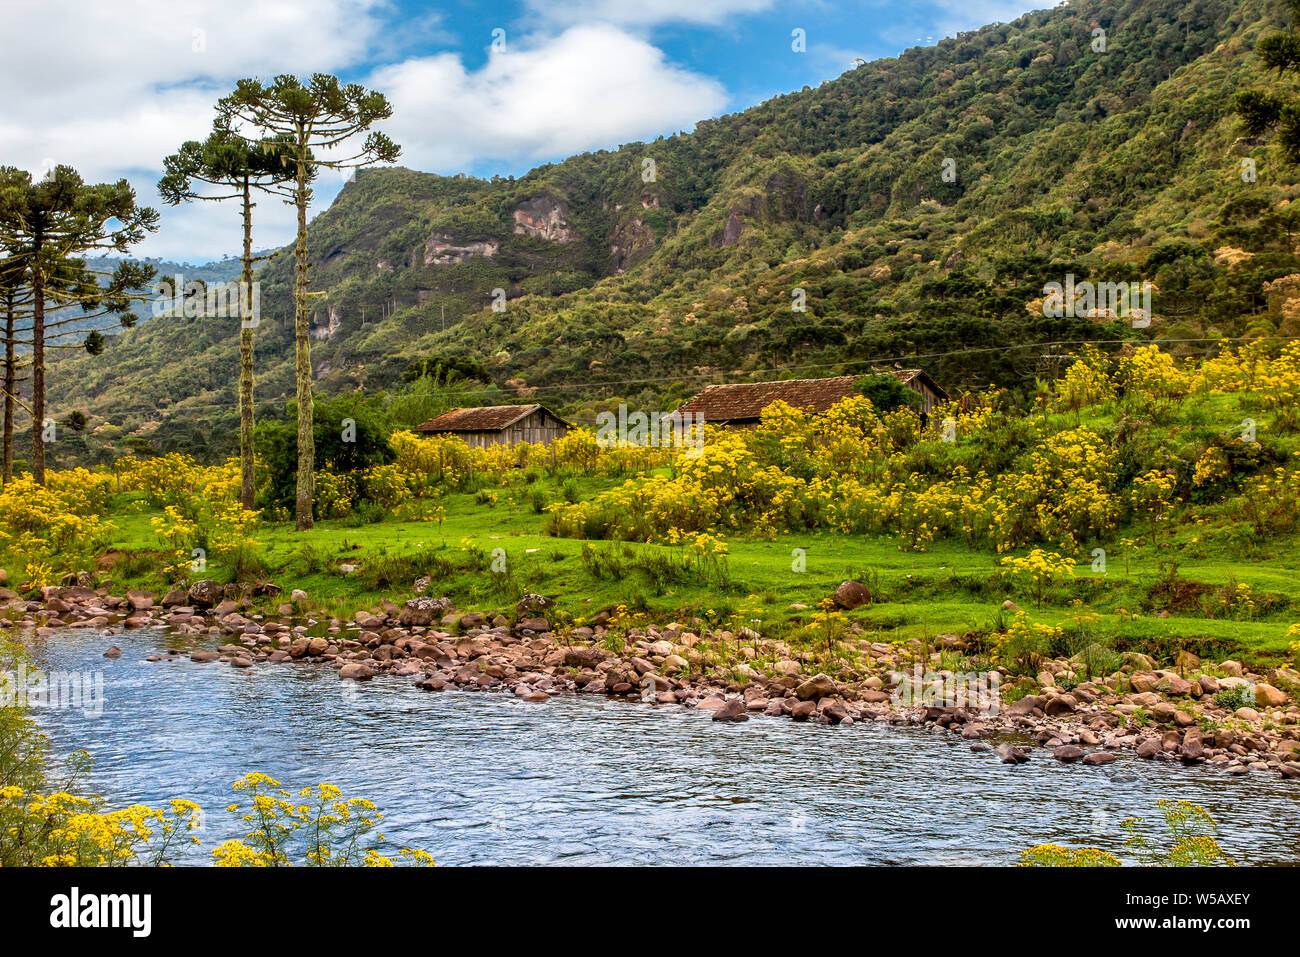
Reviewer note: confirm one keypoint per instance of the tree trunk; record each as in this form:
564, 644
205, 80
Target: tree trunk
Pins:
38, 363
246, 461
10, 383
302, 365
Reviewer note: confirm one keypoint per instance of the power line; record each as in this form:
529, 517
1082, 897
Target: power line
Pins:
626, 382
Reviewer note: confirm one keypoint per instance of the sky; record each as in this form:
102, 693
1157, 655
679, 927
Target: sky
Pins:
482, 88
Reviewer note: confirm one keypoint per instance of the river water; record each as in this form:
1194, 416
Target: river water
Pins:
483, 778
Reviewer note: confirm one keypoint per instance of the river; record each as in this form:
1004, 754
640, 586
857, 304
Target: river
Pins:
484, 778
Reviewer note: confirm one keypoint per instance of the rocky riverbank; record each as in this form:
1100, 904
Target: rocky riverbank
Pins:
1193, 714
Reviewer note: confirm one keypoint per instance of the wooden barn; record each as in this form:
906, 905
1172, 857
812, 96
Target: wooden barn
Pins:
499, 425
742, 405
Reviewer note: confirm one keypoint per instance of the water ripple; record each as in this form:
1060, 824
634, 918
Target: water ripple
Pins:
484, 778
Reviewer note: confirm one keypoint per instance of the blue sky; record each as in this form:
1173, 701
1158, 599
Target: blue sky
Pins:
477, 87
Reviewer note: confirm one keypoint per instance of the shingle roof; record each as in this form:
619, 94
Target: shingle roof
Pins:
746, 401
486, 418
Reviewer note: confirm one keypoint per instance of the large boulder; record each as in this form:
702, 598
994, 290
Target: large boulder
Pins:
818, 686
1268, 696
356, 672
139, 600
424, 610
732, 710
205, 593
851, 595
1061, 704
585, 657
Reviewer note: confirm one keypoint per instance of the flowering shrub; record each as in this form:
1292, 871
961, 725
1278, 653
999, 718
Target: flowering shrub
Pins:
57, 527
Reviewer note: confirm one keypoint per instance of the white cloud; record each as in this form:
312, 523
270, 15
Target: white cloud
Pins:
591, 86
133, 79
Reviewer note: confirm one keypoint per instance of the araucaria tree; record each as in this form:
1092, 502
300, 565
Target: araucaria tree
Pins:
47, 225
311, 122
227, 161
1262, 112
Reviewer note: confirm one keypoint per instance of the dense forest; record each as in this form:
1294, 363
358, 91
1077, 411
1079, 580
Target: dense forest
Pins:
909, 211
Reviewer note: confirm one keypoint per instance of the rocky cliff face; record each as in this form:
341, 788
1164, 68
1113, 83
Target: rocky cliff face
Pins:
443, 250
544, 218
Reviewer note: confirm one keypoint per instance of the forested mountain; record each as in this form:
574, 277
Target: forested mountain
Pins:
916, 205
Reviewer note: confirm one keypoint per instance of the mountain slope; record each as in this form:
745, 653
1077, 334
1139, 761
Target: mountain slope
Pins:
1114, 164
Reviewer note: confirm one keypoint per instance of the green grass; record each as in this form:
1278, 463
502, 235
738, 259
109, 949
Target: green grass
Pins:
950, 588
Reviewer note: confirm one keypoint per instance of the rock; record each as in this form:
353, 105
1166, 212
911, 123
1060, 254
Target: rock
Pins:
733, 709
1010, 754
673, 664
298, 596
1149, 748
851, 595
531, 604
1289, 769
1026, 705
202, 656
1010, 605
1144, 681
585, 657
1069, 753
423, 611
299, 647
1247, 714
175, 598
356, 672
114, 652
1098, 757
818, 686
139, 600
803, 710
533, 624
1061, 704
837, 712
537, 696
1192, 749
205, 593
1268, 696
1231, 668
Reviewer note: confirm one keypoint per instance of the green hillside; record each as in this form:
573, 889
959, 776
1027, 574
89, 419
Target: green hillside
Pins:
1120, 164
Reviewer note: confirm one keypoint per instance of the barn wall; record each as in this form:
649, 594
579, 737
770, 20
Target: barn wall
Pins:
535, 429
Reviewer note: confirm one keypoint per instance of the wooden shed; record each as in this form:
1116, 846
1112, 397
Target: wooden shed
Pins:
742, 405
498, 425
919, 381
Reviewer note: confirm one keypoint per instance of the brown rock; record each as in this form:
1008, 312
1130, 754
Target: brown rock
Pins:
732, 710
818, 686
851, 595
